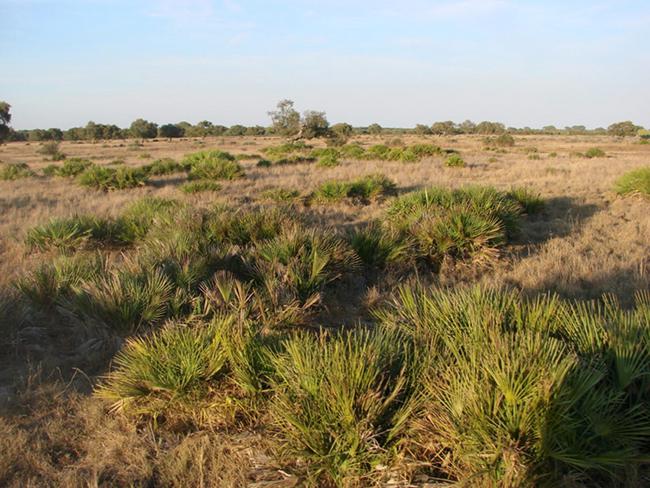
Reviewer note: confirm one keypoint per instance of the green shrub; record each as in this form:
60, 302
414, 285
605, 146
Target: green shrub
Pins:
213, 165
106, 179
455, 161
264, 163
126, 300
362, 190
199, 186
300, 262
521, 392
72, 167
166, 369
379, 246
378, 151
244, 227
13, 171
328, 161
425, 150
595, 152
469, 223
342, 403
283, 150
166, 166
56, 279
531, 203
294, 159
72, 234
243, 157
634, 182
352, 151
281, 195
51, 149
144, 156
138, 217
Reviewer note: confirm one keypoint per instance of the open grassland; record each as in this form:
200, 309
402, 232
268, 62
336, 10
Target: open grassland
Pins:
247, 312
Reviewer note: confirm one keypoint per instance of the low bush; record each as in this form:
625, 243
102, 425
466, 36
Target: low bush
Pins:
171, 367
126, 300
51, 149
455, 161
213, 165
521, 392
72, 234
283, 150
634, 182
531, 203
363, 190
595, 152
342, 403
328, 161
352, 151
244, 228
281, 195
14, 171
57, 279
469, 223
71, 167
378, 246
138, 217
106, 179
199, 186
166, 166
299, 262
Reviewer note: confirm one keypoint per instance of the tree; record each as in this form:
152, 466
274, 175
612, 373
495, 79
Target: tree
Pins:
342, 129
487, 127
314, 124
422, 129
375, 129
5, 118
444, 128
235, 130
143, 129
286, 120
467, 127
627, 128
255, 130
169, 131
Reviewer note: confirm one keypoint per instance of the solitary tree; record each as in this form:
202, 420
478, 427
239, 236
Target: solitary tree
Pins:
143, 129
169, 131
286, 120
374, 129
422, 130
444, 128
314, 124
5, 118
627, 128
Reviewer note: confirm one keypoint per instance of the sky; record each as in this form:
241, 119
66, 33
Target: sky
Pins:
397, 63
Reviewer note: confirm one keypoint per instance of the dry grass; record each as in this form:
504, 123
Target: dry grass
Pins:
587, 241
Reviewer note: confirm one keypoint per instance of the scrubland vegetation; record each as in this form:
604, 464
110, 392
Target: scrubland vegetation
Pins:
350, 311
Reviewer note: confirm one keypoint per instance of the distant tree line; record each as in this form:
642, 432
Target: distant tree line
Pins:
288, 122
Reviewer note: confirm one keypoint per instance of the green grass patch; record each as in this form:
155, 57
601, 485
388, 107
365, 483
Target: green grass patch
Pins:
362, 190
199, 186
14, 171
635, 182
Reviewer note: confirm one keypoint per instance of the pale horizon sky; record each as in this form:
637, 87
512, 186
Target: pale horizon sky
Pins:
523, 63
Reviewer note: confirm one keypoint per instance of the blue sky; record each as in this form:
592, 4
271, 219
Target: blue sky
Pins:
397, 63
